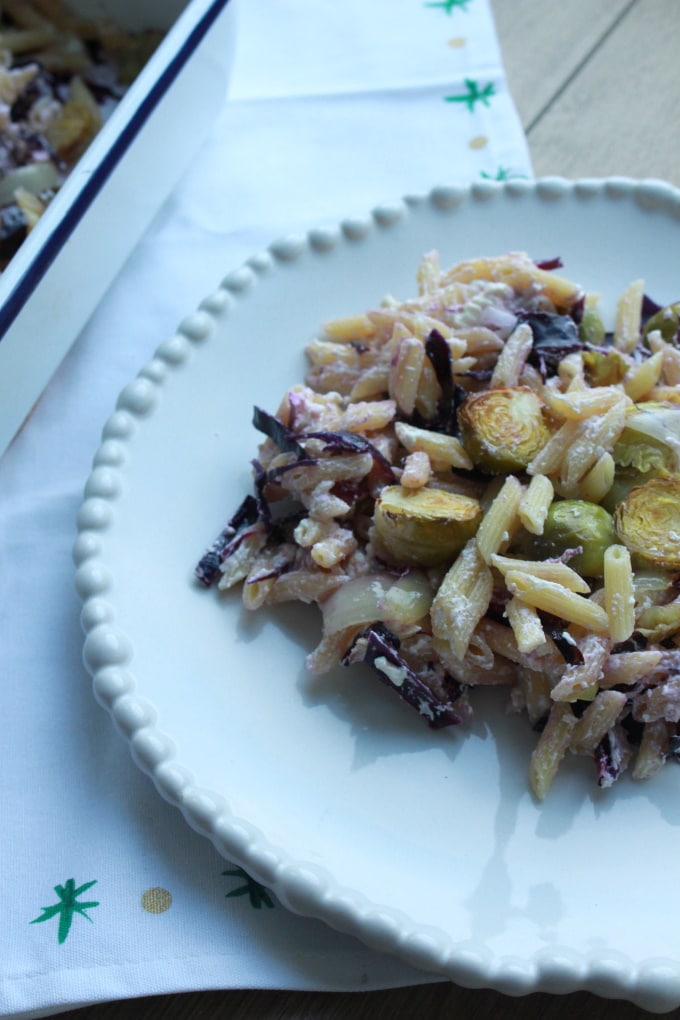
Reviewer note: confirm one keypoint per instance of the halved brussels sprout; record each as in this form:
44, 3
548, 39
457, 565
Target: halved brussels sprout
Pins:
571, 523
624, 481
423, 527
503, 429
604, 367
666, 321
591, 328
650, 440
648, 522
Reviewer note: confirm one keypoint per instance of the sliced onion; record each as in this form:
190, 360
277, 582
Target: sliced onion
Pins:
378, 597
499, 319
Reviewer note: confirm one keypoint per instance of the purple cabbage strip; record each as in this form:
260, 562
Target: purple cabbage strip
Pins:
277, 431
649, 308
439, 353
567, 647
335, 442
262, 478
349, 442
554, 337
228, 540
549, 264
383, 644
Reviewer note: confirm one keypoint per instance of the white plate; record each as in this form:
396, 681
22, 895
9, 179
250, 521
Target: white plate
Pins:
330, 790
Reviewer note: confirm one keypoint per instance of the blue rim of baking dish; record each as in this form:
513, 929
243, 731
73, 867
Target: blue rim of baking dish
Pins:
61, 233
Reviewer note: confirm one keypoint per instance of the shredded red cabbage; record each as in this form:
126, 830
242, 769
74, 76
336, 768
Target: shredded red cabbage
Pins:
349, 442
276, 431
382, 654
228, 540
554, 337
554, 263
649, 308
439, 353
567, 647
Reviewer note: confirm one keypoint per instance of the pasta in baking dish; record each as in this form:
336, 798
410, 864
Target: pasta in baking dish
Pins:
480, 485
61, 76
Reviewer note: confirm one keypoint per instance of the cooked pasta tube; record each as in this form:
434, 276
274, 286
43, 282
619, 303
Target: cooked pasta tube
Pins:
628, 313
535, 503
462, 599
629, 667
556, 599
619, 593
443, 450
641, 378
500, 520
596, 721
653, 749
597, 482
512, 358
548, 570
526, 625
552, 745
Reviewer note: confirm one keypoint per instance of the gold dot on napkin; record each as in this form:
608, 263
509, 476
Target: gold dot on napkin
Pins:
457, 41
478, 142
156, 900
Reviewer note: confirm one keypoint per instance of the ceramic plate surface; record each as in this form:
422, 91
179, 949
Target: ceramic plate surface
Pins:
330, 790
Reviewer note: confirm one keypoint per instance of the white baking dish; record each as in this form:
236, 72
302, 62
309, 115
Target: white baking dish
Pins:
64, 266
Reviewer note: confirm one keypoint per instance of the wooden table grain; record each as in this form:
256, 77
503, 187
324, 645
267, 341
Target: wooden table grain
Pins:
597, 85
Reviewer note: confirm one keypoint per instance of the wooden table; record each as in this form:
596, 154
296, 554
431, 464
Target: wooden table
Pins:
597, 85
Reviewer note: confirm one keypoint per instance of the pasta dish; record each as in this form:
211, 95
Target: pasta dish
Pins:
480, 485
60, 77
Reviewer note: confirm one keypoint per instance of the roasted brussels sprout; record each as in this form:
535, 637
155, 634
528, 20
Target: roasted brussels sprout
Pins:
423, 527
648, 522
666, 321
574, 523
624, 481
604, 366
651, 439
503, 429
591, 328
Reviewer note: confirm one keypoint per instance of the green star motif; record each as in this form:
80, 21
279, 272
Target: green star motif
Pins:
449, 5
503, 173
256, 893
67, 906
475, 94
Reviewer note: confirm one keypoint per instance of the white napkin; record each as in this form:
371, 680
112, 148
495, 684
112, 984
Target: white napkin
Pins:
106, 893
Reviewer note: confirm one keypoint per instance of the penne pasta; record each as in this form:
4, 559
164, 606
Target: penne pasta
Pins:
526, 625
619, 593
641, 378
597, 720
552, 745
462, 599
557, 599
628, 315
404, 378
535, 503
548, 570
500, 520
512, 358
597, 482
443, 450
